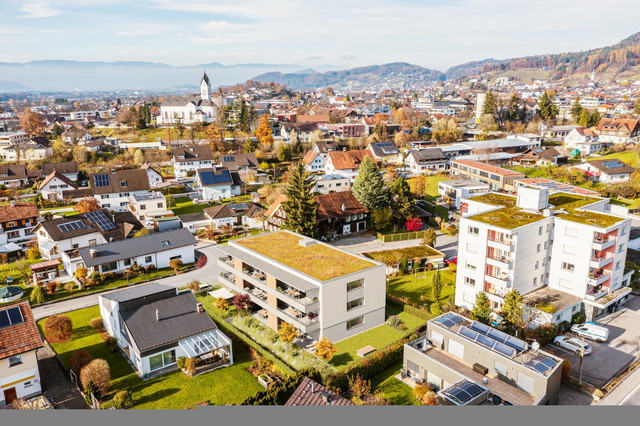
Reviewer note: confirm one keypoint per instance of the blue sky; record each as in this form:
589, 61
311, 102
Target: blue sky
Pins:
433, 33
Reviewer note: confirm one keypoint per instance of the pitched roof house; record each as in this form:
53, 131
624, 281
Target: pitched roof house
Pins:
345, 163
187, 159
385, 151
425, 160
54, 185
607, 171
312, 393
618, 130
218, 183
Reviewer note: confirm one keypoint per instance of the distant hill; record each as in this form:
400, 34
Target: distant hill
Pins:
12, 86
393, 75
622, 60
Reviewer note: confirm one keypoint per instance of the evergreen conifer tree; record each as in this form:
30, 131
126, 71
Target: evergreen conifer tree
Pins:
369, 187
301, 207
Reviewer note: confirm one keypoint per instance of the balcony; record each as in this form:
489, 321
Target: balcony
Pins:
603, 243
595, 279
600, 262
228, 279
504, 244
595, 293
226, 260
500, 261
495, 291
502, 240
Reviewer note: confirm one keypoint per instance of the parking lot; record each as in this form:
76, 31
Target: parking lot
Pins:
608, 360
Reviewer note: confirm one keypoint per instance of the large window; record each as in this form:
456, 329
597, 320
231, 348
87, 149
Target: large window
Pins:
568, 266
162, 360
355, 303
112, 266
355, 284
15, 360
355, 322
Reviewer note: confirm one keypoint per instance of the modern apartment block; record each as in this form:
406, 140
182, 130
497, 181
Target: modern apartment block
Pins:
321, 290
563, 252
498, 178
470, 363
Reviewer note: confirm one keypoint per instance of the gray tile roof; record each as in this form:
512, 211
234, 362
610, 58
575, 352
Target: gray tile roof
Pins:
178, 320
126, 249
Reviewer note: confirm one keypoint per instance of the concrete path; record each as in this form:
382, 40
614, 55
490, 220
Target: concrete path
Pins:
626, 393
209, 273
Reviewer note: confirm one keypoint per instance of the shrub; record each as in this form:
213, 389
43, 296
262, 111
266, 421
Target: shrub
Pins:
52, 286
96, 278
190, 366
403, 267
453, 267
81, 273
395, 322
151, 267
79, 360
58, 329
194, 286
566, 368
435, 308
98, 372
89, 389
279, 392
112, 343
201, 262
577, 318
176, 264
95, 323
37, 295
122, 400
181, 362
420, 391
69, 286
33, 253
430, 398
325, 349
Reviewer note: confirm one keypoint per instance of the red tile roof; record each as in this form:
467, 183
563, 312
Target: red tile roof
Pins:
330, 205
20, 211
310, 393
342, 160
20, 338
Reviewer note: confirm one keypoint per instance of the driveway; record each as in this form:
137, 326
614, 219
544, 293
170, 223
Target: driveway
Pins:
363, 243
56, 385
209, 273
608, 360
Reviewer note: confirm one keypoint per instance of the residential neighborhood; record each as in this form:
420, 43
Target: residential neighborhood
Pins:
371, 235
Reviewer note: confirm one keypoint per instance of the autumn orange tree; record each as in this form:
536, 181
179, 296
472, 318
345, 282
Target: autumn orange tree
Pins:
31, 122
87, 204
264, 132
325, 349
58, 329
215, 135
287, 332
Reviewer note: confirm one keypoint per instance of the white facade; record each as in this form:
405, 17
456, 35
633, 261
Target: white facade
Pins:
324, 184
586, 143
453, 191
51, 249
13, 138
117, 201
24, 378
181, 168
190, 110
54, 188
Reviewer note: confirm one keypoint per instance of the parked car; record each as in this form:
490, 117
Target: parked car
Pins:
450, 260
591, 330
572, 344
149, 222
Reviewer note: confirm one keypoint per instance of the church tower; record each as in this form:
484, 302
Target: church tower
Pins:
205, 88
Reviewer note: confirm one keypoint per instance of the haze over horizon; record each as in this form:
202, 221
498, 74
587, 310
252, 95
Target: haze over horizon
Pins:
433, 33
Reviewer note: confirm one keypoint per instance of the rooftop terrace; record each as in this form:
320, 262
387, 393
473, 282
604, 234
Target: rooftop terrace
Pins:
318, 260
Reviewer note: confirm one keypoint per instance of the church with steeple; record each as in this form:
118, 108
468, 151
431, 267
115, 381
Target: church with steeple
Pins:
189, 109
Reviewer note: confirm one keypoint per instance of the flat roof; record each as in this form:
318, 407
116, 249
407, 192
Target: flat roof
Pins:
462, 183
488, 168
550, 300
318, 260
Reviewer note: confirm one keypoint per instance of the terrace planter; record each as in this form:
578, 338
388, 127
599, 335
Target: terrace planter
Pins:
265, 380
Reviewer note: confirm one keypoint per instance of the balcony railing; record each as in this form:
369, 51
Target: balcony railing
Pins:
502, 259
501, 240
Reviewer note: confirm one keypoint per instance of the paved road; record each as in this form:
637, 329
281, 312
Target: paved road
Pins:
367, 242
208, 273
626, 393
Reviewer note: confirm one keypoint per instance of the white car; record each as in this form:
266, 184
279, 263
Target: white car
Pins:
572, 344
149, 222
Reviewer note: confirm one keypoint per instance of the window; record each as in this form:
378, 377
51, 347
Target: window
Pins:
148, 259
355, 303
538, 248
568, 266
535, 281
123, 183
540, 230
104, 197
546, 245
13, 234
474, 230
574, 308
28, 384
143, 206
15, 360
162, 360
621, 248
92, 242
160, 206
127, 262
165, 243
355, 322
175, 257
124, 204
618, 264
12, 224
470, 266
469, 281
112, 266
355, 284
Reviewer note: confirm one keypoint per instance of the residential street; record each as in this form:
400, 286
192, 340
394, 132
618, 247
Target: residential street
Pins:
626, 393
208, 273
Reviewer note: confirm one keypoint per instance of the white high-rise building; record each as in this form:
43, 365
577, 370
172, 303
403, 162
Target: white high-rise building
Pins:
563, 252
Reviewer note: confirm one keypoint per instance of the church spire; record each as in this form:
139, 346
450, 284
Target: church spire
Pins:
205, 87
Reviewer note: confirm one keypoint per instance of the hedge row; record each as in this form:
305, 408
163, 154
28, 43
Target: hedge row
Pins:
231, 331
417, 312
280, 392
370, 366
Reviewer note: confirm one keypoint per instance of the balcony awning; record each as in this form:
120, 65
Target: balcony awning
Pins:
203, 343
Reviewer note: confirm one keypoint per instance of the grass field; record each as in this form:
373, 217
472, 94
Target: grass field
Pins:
412, 287
631, 157
184, 205
392, 389
229, 385
378, 337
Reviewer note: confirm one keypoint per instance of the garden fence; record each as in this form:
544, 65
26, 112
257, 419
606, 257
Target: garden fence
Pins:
402, 236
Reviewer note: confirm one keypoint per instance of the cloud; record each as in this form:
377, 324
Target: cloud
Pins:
144, 30
39, 10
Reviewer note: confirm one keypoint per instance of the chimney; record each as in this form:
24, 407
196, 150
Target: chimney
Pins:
344, 208
199, 308
325, 396
157, 314
93, 253
13, 203
313, 387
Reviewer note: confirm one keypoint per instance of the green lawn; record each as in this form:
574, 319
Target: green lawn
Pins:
431, 188
631, 157
229, 385
413, 287
184, 205
378, 337
392, 389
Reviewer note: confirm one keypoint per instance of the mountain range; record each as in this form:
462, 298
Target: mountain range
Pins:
621, 60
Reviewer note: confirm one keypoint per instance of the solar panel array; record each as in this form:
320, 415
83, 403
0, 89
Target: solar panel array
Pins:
102, 180
449, 320
228, 159
464, 392
500, 336
99, 218
488, 342
383, 144
613, 164
541, 364
210, 178
146, 197
71, 226
238, 206
11, 316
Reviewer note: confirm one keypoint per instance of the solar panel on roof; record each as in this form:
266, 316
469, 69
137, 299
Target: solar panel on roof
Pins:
11, 316
102, 180
505, 350
99, 218
71, 226
516, 343
210, 178
466, 332
613, 164
464, 392
480, 327
228, 159
238, 206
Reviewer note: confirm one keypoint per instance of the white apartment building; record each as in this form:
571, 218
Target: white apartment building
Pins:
563, 252
325, 184
13, 138
321, 290
453, 191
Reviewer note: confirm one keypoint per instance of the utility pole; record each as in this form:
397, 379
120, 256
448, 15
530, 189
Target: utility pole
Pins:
581, 359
